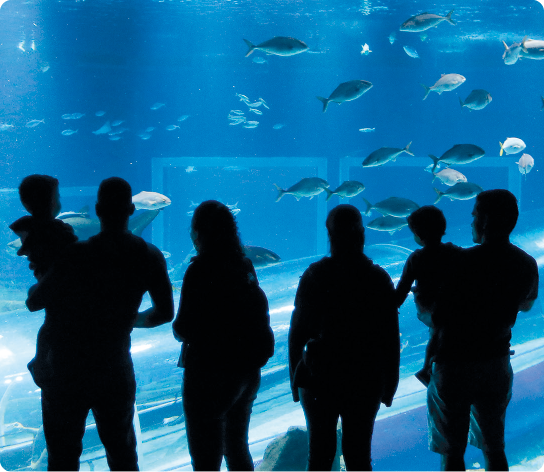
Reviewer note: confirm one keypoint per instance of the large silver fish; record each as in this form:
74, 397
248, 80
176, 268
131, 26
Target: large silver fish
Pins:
424, 21
345, 92
446, 83
380, 156
460, 191
511, 54
449, 176
394, 206
349, 189
387, 223
307, 187
476, 100
458, 154
532, 49
150, 200
279, 46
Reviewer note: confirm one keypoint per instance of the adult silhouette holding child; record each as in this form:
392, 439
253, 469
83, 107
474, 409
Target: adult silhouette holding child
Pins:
471, 381
91, 300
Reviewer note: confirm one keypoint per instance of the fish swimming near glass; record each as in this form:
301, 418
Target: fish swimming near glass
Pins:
387, 223
460, 191
512, 146
346, 92
532, 49
446, 83
449, 176
150, 201
307, 187
525, 164
511, 54
393, 206
278, 46
458, 154
424, 21
348, 189
477, 99
383, 155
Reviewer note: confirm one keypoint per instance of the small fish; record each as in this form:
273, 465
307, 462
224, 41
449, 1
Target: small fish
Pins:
144, 136
100, 113
449, 176
234, 208
387, 223
45, 67
105, 129
264, 104
259, 60
237, 112
237, 122
423, 37
242, 98
251, 124
392, 37
511, 54
21, 46
117, 122
157, 105
512, 146
279, 46
34, 123
117, 131
150, 201
366, 49
183, 117
460, 191
424, 21
346, 92
69, 132
410, 51
166, 254
307, 187
114, 138
477, 99
393, 206
5, 126
367, 130
384, 155
67, 116
77, 116
458, 154
171, 127
348, 189
525, 164
149, 129
257, 112
446, 83
190, 169
281, 125
258, 103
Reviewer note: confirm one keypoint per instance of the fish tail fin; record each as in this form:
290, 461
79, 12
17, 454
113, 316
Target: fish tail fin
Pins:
329, 193
407, 149
251, 47
368, 206
461, 102
325, 103
542, 107
505, 45
435, 160
281, 192
427, 91
502, 149
138, 224
449, 20
439, 195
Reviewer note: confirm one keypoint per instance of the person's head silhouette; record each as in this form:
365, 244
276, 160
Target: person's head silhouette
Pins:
495, 216
346, 232
114, 203
39, 194
428, 225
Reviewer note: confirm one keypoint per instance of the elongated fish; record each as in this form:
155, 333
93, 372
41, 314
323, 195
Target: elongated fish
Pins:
446, 83
307, 187
394, 206
279, 46
345, 92
388, 223
349, 189
424, 21
460, 191
385, 154
477, 99
458, 154
261, 257
532, 49
150, 200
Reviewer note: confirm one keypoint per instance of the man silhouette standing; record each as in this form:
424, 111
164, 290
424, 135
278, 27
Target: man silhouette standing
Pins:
91, 300
471, 382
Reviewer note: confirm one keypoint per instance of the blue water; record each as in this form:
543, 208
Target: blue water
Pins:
122, 57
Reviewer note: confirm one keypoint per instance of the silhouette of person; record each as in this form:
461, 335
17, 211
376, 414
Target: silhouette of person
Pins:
344, 347
428, 268
224, 325
91, 300
471, 382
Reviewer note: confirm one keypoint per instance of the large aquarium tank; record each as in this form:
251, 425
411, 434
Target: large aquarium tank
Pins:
218, 99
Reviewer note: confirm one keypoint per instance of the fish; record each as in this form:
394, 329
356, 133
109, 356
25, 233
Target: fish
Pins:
449, 176
258, 103
263, 103
157, 105
424, 21
346, 92
349, 189
166, 254
114, 138
423, 36
458, 154
190, 169
150, 201
171, 127
387, 223
367, 130
34, 123
307, 187
257, 112
410, 51
84, 226
234, 208
532, 49
67, 116
393, 206
236, 121
77, 116
512, 146
117, 122
281, 125
144, 136
511, 54
105, 129
459, 191
243, 98
69, 132
5, 126
149, 129
525, 164
446, 83
100, 113
477, 99
259, 60
392, 37
251, 124
260, 256
384, 155
45, 67
183, 117
366, 49
237, 112
278, 46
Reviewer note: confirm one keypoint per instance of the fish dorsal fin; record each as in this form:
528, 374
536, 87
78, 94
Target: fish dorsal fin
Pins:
85, 210
505, 45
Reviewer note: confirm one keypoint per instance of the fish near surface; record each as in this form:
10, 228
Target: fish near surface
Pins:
458, 154
532, 49
307, 187
387, 223
346, 92
150, 201
477, 99
449, 176
424, 21
512, 146
349, 189
446, 83
525, 163
511, 54
460, 191
394, 206
383, 155
278, 46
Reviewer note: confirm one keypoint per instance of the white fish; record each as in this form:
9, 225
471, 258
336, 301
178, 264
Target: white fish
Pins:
149, 129
512, 146
251, 124
33, 123
157, 105
77, 116
237, 112
69, 132
257, 112
367, 130
150, 201
234, 208
525, 164
446, 83
366, 49
532, 48
392, 37
5, 126
21, 46
171, 127
144, 136
100, 113
449, 176
105, 129
190, 169
410, 51
278, 126
183, 117
242, 98
117, 122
